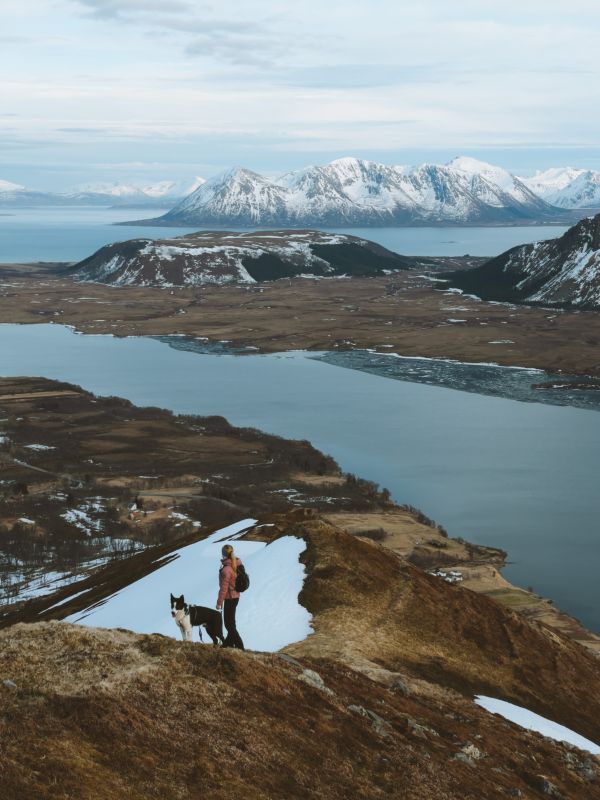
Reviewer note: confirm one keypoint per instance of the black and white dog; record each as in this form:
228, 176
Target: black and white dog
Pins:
187, 616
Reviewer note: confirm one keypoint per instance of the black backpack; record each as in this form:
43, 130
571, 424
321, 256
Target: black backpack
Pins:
242, 581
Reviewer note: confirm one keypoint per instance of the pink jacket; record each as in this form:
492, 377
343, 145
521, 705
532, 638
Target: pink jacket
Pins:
227, 582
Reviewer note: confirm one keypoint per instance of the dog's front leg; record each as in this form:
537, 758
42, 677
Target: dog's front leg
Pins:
187, 630
182, 631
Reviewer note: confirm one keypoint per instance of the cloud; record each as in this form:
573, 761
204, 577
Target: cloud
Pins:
107, 9
235, 39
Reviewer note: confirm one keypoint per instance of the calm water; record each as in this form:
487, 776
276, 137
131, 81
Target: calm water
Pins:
70, 234
522, 476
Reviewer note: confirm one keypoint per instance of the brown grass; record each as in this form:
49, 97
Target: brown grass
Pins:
319, 315
108, 715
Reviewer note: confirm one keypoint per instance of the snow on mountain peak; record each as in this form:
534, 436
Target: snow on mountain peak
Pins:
566, 187
469, 164
497, 175
7, 186
354, 191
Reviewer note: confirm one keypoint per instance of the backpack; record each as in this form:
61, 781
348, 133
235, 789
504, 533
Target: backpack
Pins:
242, 581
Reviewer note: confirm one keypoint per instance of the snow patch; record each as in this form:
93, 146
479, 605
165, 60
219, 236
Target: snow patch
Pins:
269, 615
534, 722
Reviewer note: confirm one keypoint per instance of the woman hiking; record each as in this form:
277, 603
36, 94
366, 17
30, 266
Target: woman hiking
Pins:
228, 597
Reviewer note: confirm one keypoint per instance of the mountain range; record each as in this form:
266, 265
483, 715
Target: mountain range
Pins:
347, 191
160, 194
351, 191
562, 272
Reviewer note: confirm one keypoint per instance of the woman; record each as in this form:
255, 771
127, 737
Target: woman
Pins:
228, 597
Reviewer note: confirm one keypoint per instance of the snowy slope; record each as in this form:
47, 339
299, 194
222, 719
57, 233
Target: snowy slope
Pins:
567, 187
236, 196
563, 271
351, 191
495, 185
269, 615
534, 722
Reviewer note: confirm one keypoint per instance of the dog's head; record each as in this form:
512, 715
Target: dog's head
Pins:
178, 608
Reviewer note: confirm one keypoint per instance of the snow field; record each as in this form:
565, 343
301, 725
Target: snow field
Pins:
269, 615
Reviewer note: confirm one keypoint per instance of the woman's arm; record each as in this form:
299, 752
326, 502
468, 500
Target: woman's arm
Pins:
224, 581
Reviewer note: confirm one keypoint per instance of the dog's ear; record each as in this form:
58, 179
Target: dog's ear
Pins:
181, 598
172, 598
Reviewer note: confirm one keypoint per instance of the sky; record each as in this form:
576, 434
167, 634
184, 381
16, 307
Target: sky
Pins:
147, 90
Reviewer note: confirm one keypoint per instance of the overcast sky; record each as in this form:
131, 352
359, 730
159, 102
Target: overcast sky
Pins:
154, 89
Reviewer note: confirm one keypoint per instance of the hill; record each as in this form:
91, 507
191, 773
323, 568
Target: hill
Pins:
226, 257
562, 272
377, 701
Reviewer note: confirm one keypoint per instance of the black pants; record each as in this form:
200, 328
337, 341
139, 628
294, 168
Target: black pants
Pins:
233, 639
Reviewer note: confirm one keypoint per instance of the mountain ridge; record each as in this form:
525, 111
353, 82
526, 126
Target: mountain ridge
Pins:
386, 679
351, 191
562, 272
567, 187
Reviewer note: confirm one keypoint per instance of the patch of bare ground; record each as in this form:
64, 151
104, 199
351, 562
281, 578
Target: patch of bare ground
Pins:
401, 313
109, 714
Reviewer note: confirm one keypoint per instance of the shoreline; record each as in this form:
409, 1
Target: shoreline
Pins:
399, 314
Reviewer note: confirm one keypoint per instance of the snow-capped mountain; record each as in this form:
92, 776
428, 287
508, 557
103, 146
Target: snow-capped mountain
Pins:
238, 196
120, 193
7, 186
351, 191
567, 187
159, 194
225, 257
17, 195
561, 272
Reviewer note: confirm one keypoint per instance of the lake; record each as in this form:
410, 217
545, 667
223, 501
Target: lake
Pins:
71, 234
519, 475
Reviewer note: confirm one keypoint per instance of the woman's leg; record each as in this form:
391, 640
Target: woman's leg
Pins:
233, 638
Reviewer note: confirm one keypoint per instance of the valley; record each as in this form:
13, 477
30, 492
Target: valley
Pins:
407, 624
94, 490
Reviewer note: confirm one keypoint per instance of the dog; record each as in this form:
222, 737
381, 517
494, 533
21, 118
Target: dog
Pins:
187, 616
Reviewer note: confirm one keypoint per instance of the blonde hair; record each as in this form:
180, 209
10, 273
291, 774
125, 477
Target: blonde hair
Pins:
228, 553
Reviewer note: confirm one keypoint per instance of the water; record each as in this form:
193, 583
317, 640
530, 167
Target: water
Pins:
71, 234
522, 476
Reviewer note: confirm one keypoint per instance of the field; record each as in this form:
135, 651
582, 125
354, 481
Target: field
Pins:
401, 313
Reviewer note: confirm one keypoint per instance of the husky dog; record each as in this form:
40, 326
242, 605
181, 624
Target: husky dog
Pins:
187, 616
